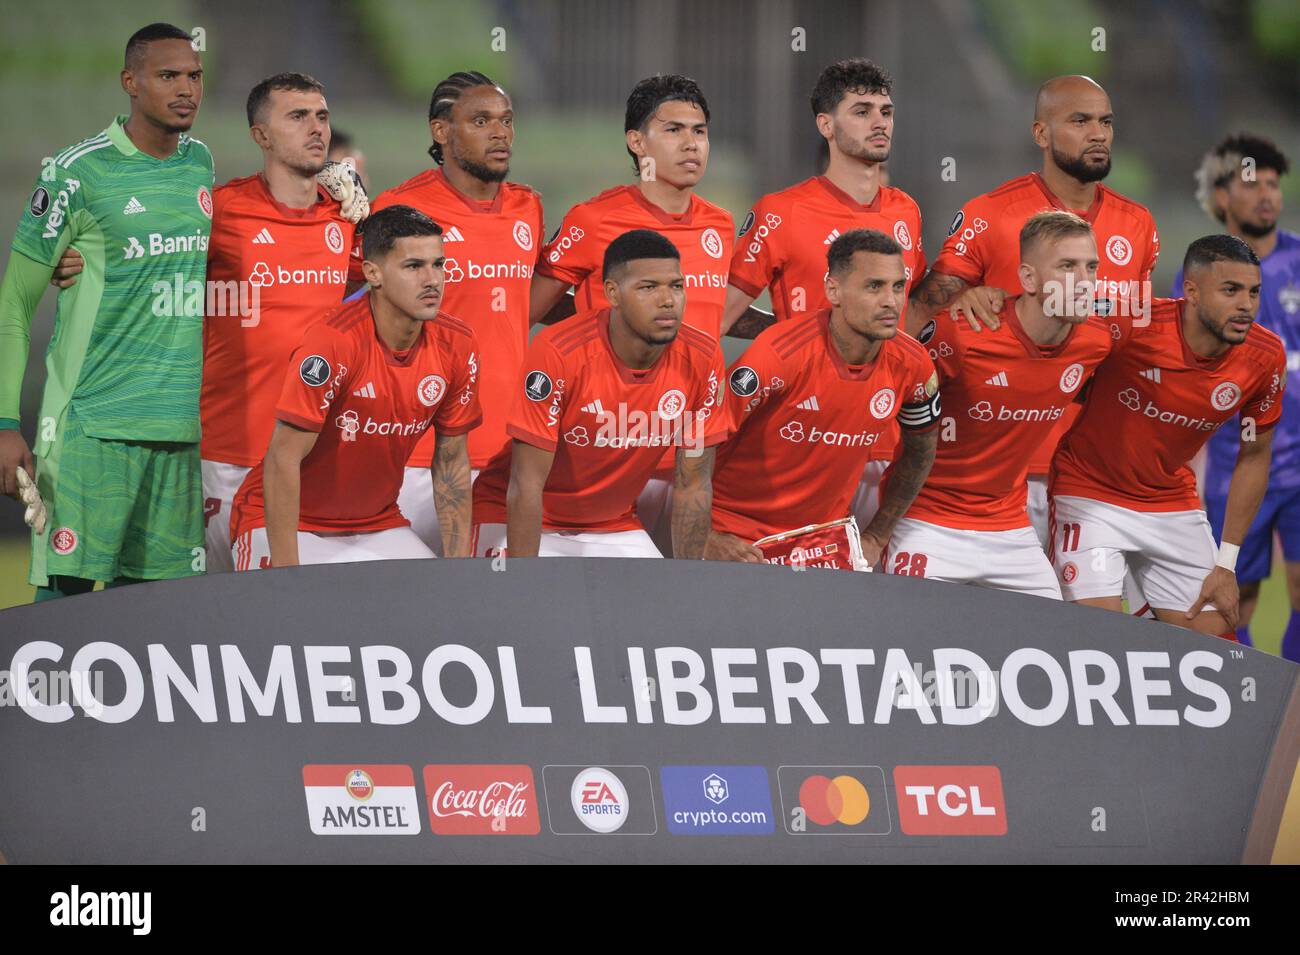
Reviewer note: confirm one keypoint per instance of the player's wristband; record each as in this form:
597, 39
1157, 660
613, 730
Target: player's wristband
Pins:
10, 424
1227, 558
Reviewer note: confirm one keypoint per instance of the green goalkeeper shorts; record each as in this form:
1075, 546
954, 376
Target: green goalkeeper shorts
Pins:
118, 509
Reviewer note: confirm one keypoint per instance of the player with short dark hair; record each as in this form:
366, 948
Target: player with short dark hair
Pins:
810, 398
118, 438
362, 388
1123, 496
600, 397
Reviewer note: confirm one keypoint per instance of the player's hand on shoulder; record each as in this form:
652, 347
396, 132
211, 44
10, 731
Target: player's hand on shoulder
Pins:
730, 547
979, 306
68, 268
341, 181
14, 454
1220, 588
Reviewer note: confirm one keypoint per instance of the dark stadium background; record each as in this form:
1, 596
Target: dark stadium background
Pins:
1180, 75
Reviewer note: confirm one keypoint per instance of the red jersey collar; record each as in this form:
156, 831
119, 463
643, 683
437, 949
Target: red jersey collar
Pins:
846, 371
1190, 358
400, 359
473, 205
1032, 348
845, 199
667, 218
1093, 211
287, 211
631, 376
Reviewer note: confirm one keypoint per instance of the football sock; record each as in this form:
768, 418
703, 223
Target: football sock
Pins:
63, 586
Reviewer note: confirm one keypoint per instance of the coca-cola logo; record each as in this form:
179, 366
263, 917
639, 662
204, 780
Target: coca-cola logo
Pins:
482, 800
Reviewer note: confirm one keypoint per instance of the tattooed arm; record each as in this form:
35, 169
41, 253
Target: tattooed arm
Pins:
929, 295
740, 319
451, 493
905, 479
692, 502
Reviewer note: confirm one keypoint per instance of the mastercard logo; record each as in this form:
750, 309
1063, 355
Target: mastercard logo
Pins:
827, 801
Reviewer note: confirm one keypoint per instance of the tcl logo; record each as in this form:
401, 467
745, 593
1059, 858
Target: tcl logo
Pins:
950, 800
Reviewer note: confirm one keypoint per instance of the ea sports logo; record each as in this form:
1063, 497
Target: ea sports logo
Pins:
712, 242
359, 785
902, 236
431, 390
1071, 378
599, 800
205, 201
1119, 250
672, 404
1225, 396
1069, 573
333, 237
882, 403
523, 235
64, 541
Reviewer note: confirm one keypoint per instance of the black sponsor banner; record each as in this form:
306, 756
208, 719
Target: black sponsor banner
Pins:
625, 710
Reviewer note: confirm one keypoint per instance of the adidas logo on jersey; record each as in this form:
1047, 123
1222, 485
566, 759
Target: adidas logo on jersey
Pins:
452, 235
1151, 374
594, 407
367, 392
809, 404
134, 207
835, 234
263, 238
1000, 380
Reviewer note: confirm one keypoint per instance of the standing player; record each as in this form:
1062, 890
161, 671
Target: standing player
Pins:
600, 396
1123, 496
811, 398
666, 129
1239, 185
782, 243
1003, 389
1073, 128
118, 435
492, 233
362, 387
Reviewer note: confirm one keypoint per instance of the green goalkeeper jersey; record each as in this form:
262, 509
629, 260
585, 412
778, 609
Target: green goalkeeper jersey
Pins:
127, 349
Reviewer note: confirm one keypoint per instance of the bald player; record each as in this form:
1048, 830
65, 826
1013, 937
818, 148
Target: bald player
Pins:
977, 267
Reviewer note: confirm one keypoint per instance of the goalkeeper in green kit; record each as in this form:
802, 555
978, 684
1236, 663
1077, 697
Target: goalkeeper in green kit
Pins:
117, 490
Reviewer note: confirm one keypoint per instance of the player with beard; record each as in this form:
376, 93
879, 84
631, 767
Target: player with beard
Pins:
492, 233
1073, 126
1239, 185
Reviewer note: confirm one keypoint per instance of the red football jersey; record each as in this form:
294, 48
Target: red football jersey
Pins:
1002, 393
983, 248
805, 423
784, 240
296, 260
492, 249
370, 405
1153, 405
702, 234
607, 424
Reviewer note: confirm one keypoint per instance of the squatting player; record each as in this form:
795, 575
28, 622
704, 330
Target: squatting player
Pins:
1073, 126
813, 395
362, 387
1248, 206
782, 242
492, 233
599, 398
1123, 496
118, 437
1003, 389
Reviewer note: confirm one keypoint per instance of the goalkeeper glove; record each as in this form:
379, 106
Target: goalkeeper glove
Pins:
341, 181
27, 493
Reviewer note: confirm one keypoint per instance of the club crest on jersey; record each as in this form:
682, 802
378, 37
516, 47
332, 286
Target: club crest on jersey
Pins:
333, 237
672, 404
902, 236
1119, 250
523, 235
39, 204
1069, 572
882, 403
927, 332
537, 386
1071, 378
431, 390
205, 201
712, 242
746, 225
1225, 396
957, 220
64, 541
314, 370
744, 381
